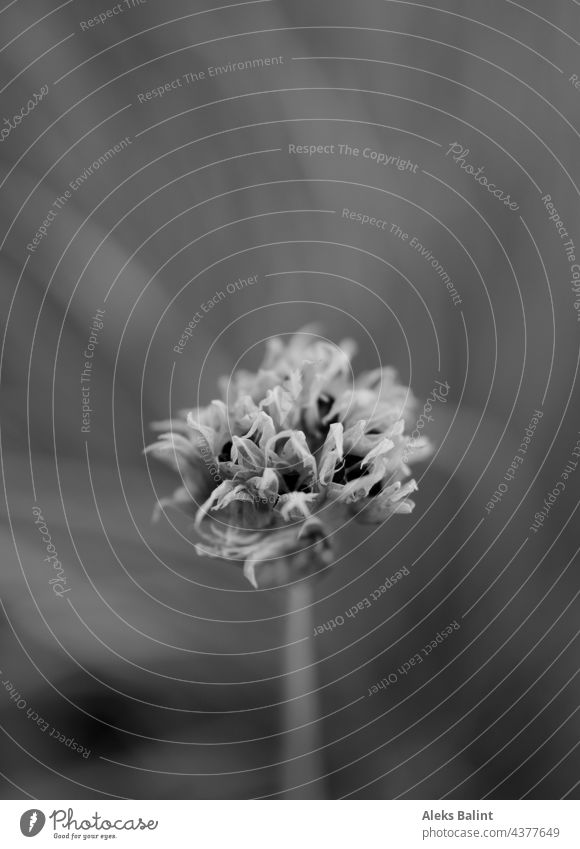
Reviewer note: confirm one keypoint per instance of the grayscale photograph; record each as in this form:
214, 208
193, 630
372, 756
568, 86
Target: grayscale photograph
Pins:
290, 433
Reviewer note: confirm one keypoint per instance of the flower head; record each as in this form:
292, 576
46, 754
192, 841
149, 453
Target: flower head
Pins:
288, 454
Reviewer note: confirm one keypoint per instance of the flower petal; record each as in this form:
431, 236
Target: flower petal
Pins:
247, 454
392, 499
332, 453
173, 449
210, 424
279, 404
379, 451
262, 427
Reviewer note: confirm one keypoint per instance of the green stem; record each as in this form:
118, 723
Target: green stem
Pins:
301, 742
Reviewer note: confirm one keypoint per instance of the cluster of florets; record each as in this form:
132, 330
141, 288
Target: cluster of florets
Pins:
288, 455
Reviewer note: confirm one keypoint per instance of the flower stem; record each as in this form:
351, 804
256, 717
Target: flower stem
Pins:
302, 765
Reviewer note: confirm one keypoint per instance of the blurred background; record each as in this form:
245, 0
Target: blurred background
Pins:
168, 668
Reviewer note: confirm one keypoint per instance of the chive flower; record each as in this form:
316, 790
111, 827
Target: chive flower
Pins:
271, 470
